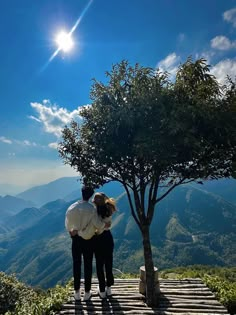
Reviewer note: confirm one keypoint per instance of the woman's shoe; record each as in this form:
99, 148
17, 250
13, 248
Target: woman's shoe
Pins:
87, 296
77, 295
101, 294
108, 291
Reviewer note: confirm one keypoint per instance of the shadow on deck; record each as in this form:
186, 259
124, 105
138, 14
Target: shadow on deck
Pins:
179, 297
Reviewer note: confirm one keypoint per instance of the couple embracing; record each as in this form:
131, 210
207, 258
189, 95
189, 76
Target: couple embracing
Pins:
89, 228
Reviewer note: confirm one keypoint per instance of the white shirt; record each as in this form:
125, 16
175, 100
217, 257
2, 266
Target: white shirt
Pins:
105, 220
91, 229
82, 216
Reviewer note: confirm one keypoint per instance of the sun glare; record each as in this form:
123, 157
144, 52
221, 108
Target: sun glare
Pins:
64, 41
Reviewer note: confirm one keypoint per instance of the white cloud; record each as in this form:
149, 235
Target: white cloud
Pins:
207, 55
29, 143
54, 118
230, 16
222, 43
53, 145
34, 118
224, 68
169, 64
5, 140
19, 142
26, 143
169, 61
181, 37
11, 154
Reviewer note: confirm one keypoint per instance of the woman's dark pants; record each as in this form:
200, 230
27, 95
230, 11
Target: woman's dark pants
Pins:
103, 249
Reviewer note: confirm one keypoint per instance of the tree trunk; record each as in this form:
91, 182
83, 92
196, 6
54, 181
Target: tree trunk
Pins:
151, 299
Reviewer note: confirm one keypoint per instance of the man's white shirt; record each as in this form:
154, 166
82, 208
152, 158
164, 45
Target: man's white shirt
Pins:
82, 216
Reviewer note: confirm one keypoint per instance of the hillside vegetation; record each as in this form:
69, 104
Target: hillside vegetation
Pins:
16, 298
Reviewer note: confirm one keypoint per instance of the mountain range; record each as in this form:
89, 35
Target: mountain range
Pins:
57, 189
10, 205
194, 224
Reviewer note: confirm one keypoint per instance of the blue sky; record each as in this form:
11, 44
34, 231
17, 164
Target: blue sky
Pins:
39, 95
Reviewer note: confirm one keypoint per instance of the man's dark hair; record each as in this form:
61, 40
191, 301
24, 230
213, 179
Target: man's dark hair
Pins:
87, 192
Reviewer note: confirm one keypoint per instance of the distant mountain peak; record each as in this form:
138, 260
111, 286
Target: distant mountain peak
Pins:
51, 191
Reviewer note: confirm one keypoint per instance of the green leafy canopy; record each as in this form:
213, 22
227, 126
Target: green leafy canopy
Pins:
142, 126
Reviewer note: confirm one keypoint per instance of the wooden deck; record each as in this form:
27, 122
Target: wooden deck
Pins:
179, 297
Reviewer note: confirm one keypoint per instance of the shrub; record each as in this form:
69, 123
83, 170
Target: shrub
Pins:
19, 299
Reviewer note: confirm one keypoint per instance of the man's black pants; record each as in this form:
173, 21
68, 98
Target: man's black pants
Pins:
103, 248
81, 247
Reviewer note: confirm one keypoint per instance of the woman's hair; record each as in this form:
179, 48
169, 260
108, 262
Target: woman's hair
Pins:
103, 211
105, 206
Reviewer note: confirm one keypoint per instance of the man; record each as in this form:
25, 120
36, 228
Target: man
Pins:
79, 216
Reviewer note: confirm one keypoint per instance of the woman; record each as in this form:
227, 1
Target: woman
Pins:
104, 244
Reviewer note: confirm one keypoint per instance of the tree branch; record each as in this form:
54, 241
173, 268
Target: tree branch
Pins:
169, 190
142, 193
131, 206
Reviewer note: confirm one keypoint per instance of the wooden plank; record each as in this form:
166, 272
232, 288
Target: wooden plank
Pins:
147, 312
141, 308
193, 293
186, 297
180, 299
113, 306
182, 285
192, 305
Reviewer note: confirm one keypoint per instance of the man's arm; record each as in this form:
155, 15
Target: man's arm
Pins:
70, 221
68, 224
97, 221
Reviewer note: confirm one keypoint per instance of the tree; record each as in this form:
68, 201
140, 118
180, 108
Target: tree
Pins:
152, 135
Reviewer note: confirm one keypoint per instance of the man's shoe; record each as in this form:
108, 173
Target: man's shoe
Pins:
77, 295
108, 291
87, 296
101, 294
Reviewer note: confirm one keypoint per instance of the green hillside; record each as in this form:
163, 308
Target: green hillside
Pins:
191, 226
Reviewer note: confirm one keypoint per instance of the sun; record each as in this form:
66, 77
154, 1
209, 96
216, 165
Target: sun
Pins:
64, 41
